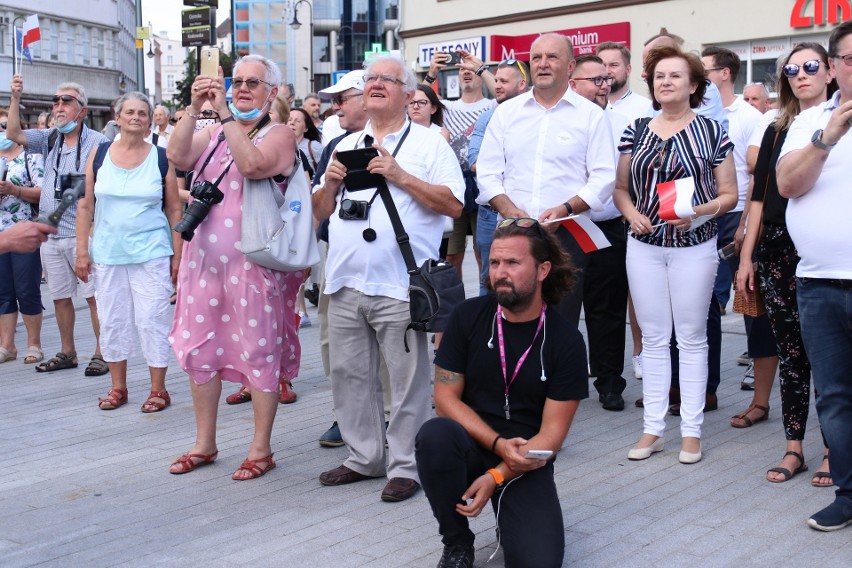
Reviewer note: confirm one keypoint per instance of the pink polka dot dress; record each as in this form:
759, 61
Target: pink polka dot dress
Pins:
232, 317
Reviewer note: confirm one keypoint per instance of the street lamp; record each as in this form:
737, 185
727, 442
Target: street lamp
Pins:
296, 24
150, 53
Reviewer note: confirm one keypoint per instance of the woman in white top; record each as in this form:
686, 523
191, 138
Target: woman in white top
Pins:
134, 253
307, 138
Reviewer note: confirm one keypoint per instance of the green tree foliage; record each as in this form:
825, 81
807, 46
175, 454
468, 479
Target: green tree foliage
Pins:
184, 95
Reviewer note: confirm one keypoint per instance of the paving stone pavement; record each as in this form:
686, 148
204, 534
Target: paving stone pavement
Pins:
84, 487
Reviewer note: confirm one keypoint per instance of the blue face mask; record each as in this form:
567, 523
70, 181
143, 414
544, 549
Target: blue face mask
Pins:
246, 116
5, 143
68, 127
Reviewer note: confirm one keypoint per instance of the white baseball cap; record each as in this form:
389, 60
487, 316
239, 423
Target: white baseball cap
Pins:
352, 80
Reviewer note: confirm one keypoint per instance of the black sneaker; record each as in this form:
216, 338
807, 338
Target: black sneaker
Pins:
332, 437
611, 401
458, 556
312, 295
832, 518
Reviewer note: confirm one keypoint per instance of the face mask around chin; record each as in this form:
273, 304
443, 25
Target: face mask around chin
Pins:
5, 143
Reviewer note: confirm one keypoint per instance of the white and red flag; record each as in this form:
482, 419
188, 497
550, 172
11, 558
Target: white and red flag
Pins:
676, 199
586, 233
32, 33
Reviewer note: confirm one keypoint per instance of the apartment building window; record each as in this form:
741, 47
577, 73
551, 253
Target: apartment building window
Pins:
170, 60
4, 27
100, 48
54, 41
70, 44
87, 45
170, 82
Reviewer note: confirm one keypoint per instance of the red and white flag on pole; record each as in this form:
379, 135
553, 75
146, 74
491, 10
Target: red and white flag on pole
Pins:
586, 233
676, 199
32, 33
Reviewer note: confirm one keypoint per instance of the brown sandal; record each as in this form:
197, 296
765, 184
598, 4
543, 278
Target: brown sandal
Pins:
253, 468
152, 405
786, 474
747, 422
114, 399
187, 462
58, 362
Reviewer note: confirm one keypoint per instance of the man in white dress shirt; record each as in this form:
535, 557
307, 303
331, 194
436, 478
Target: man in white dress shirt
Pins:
549, 153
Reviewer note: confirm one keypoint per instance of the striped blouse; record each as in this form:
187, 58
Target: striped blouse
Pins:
693, 152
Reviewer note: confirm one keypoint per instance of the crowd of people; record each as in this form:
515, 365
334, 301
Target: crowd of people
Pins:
661, 186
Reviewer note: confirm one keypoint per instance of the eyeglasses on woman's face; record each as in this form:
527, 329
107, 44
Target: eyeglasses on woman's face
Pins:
810, 67
419, 103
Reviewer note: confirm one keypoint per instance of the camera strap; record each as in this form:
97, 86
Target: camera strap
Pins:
221, 138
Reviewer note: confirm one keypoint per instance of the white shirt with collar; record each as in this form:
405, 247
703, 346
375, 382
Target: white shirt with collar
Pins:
162, 139
632, 106
743, 120
376, 268
819, 221
542, 157
618, 123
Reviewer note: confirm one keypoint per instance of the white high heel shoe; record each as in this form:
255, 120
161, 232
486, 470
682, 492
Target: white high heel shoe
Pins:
637, 454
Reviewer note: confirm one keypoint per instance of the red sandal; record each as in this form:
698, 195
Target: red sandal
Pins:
239, 397
253, 468
114, 399
152, 405
287, 396
187, 463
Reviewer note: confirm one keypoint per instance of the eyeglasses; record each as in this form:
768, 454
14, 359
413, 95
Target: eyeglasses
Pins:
207, 113
847, 59
252, 83
66, 99
340, 99
419, 104
519, 65
385, 79
711, 69
597, 80
3, 125
660, 149
811, 67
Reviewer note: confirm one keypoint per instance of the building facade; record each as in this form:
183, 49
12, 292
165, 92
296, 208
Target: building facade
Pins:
90, 42
759, 31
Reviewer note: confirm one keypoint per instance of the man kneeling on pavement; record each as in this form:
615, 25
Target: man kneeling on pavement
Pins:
509, 376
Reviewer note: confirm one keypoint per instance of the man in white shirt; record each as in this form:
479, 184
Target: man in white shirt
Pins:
605, 285
161, 127
757, 95
813, 172
367, 282
549, 153
616, 57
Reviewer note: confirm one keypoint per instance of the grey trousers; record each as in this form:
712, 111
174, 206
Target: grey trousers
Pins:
360, 329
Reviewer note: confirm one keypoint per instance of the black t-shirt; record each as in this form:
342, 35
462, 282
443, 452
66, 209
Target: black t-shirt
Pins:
464, 349
765, 184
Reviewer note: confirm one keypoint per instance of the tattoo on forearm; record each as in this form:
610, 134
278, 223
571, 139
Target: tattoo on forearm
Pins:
447, 377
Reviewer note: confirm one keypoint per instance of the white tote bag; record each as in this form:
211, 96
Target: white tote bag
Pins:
278, 229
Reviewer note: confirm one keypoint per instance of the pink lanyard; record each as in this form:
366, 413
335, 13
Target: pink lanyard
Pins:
506, 381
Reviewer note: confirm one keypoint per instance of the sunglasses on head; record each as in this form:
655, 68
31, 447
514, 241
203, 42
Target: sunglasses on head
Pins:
811, 67
522, 222
65, 99
519, 65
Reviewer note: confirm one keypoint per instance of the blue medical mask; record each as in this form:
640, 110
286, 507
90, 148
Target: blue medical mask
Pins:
69, 126
246, 116
5, 143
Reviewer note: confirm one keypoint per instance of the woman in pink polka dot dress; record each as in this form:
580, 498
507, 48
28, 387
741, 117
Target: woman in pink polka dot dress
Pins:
234, 320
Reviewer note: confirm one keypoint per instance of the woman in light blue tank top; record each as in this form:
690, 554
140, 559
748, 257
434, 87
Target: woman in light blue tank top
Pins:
125, 242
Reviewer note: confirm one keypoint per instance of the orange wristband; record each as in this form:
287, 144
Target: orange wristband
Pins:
498, 477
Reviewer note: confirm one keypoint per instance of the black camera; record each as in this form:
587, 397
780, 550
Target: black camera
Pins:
206, 196
352, 210
72, 187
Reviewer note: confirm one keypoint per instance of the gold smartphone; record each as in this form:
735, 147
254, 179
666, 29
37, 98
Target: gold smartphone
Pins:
210, 62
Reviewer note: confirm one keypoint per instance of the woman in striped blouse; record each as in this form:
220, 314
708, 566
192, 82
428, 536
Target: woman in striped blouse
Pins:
671, 255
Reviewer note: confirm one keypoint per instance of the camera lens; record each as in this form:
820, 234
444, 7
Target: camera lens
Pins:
348, 206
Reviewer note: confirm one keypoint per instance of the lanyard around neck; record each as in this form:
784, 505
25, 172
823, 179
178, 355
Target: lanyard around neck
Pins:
506, 381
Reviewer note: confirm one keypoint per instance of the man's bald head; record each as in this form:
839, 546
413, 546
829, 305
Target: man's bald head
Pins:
662, 40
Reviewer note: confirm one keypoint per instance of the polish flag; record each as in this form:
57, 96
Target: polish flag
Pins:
676, 199
32, 33
586, 233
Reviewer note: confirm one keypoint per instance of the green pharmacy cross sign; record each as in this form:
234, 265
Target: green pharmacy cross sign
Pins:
375, 52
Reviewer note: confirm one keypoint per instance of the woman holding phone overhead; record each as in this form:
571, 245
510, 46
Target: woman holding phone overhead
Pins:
675, 176
234, 320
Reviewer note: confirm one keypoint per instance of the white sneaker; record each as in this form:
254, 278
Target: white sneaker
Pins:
637, 366
748, 379
304, 320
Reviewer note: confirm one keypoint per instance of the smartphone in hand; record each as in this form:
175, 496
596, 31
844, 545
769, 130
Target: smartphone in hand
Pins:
209, 62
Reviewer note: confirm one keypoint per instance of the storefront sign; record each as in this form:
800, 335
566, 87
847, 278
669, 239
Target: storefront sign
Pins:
809, 13
585, 41
770, 48
473, 45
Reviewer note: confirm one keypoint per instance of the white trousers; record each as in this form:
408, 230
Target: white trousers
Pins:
133, 297
672, 286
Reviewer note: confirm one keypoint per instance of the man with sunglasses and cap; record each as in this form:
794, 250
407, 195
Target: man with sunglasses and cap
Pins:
66, 149
509, 377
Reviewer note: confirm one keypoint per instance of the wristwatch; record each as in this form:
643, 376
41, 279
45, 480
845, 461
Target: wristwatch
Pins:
568, 208
816, 140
